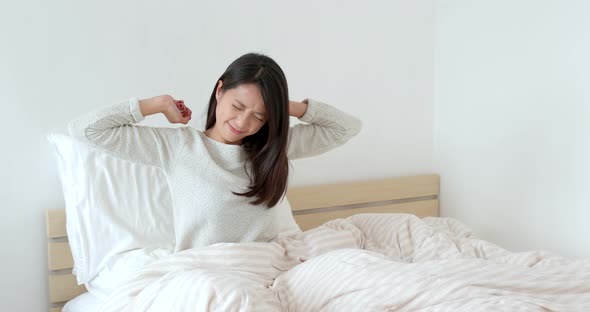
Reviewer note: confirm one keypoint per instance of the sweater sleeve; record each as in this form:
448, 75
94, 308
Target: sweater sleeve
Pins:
111, 129
327, 128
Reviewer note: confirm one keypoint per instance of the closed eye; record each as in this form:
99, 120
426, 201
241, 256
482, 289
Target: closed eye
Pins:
243, 109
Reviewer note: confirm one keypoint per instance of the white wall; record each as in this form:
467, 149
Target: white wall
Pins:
63, 58
511, 125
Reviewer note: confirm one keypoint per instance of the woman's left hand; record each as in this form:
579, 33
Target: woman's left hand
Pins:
297, 109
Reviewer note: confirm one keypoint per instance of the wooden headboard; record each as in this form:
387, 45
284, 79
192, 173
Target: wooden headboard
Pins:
311, 205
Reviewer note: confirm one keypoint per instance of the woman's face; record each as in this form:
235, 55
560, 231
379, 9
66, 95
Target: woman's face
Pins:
240, 112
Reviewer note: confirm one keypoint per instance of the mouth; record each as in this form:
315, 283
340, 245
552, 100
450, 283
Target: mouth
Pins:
234, 130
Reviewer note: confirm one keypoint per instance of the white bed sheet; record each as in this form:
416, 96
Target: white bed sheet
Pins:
85, 302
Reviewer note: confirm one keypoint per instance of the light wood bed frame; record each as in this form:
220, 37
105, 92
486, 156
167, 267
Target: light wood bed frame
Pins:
311, 205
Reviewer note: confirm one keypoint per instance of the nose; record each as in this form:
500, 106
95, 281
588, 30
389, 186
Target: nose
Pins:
241, 121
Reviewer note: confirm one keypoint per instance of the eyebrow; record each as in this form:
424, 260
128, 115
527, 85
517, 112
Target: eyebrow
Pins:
259, 113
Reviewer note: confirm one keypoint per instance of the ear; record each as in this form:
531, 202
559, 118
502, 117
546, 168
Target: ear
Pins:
218, 90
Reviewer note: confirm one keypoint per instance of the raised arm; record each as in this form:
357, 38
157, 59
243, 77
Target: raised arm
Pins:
111, 128
327, 128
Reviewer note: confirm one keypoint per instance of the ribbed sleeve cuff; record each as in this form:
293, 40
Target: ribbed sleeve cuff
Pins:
311, 109
135, 110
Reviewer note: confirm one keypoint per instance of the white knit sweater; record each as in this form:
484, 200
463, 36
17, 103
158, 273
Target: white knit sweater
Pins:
202, 172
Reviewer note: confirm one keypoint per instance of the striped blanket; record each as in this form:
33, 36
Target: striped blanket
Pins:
367, 262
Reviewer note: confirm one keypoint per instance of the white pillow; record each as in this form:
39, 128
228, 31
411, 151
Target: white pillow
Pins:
112, 205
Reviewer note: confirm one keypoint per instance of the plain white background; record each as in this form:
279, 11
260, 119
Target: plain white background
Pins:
492, 95
512, 121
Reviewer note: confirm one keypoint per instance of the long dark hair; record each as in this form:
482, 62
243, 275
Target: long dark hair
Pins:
266, 149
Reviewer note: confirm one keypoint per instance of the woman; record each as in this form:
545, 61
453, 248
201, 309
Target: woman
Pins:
225, 180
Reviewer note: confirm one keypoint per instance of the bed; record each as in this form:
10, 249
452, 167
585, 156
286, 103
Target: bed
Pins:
312, 206
375, 245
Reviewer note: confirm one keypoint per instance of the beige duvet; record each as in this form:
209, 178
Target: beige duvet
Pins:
367, 262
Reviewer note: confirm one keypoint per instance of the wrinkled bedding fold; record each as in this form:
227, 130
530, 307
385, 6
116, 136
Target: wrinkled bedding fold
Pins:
367, 262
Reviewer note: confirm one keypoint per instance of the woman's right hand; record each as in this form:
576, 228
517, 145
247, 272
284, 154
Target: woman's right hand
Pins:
174, 110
